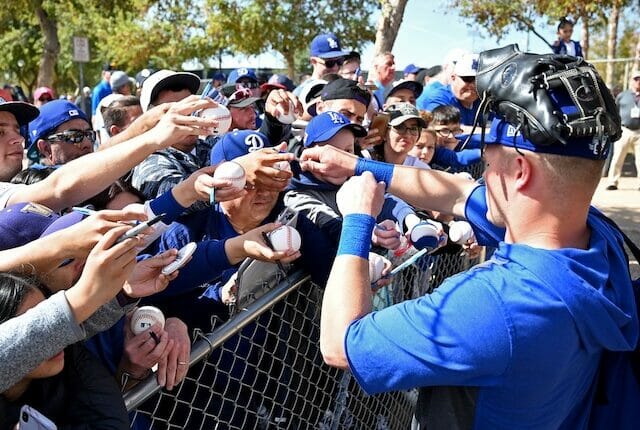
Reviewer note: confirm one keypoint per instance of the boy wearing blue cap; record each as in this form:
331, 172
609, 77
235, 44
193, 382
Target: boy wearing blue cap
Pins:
519, 341
60, 133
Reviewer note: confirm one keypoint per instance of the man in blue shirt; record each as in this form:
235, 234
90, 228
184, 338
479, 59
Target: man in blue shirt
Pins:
515, 342
103, 88
461, 92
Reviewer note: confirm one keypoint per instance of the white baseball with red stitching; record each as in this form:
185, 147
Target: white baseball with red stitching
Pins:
285, 239
233, 172
144, 317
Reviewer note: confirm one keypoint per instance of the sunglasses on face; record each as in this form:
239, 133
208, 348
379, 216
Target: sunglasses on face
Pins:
332, 63
250, 85
468, 79
403, 129
73, 136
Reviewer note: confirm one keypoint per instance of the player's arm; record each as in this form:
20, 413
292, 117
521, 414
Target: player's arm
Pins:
425, 189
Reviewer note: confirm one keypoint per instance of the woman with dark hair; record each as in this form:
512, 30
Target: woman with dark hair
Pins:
71, 388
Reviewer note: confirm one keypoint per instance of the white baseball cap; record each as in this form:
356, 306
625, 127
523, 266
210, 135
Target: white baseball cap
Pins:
164, 79
467, 65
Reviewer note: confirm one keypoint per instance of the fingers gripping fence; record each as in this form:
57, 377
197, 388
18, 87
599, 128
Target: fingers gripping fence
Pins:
262, 369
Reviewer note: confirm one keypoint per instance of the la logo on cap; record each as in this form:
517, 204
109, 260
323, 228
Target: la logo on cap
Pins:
333, 44
254, 142
243, 71
336, 118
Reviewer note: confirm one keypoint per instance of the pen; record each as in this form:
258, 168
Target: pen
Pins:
139, 228
265, 236
212, 196
83, 211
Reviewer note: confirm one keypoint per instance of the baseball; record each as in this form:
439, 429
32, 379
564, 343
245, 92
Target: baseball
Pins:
220, 114
286, 118
233, 172
144, 317
460, 232
285, 239
376, 266
424, 235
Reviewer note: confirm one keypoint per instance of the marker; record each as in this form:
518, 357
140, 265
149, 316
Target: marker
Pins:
139, 228
205, 91
212, 196
83, 211
266, 239
407, 263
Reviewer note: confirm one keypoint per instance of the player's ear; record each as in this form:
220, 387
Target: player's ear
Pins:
523, 173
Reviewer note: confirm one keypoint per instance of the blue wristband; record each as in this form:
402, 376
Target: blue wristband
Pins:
166, 204
356, 235
383, 172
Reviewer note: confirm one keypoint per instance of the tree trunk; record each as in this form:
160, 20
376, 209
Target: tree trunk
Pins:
636, 61
585, 37
290, 58
388, 25
49, 27
612, 41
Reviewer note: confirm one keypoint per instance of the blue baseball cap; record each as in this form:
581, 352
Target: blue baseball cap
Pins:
326, 125
25, 222
503, 133
278, 81
326, 46
52, 115
240, 73
238, 143
411, 68
219, 76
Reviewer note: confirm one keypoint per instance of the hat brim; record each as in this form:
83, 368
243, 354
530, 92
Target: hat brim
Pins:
267, 87
399, 120
356, 129
189, 80
333, 54
415, 87
243, 103
24, 112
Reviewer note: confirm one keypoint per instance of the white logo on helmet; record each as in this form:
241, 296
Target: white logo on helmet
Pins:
254, 142
333, 44
74, 112
336, 118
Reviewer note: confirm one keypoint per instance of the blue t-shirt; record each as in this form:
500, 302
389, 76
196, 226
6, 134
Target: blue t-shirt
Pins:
100, 91
443, 96
531, 347
427, 93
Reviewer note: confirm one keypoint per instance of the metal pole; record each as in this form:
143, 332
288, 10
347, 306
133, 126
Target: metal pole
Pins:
81, 81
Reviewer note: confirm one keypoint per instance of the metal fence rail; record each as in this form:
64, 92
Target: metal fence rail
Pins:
263, 369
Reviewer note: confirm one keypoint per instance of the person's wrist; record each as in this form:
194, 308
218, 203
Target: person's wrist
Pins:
356, 235
382, 172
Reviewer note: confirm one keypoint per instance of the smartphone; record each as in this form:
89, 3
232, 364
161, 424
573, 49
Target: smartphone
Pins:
381, 123
31, 419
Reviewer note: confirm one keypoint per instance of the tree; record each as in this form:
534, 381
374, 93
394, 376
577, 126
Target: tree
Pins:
253, 27
389, 22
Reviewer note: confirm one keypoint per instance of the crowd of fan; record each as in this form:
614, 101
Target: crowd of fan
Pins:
137, 148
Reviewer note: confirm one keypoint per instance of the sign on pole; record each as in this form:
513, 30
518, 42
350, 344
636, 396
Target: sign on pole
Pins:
81, 49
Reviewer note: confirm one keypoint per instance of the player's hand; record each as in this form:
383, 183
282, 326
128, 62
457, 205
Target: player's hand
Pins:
259, 170
328, 161
147, 278
173, 367
361, 194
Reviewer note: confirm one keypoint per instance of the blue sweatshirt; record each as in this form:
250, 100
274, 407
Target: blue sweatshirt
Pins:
530, 347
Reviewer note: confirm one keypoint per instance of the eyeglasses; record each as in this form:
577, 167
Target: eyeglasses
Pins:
403, 129
73, 136
250, 85
468, 79
332, 63
445, 132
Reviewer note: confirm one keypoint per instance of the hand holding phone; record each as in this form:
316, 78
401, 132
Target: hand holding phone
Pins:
380, 122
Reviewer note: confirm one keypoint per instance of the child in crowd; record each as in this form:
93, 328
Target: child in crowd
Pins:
564, 45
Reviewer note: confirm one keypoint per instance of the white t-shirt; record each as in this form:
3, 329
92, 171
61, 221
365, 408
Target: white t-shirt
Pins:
7, 189
571, 47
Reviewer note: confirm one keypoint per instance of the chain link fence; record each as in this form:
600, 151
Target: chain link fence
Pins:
262, 369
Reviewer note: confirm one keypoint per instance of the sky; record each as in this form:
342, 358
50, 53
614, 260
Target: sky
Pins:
428, 32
